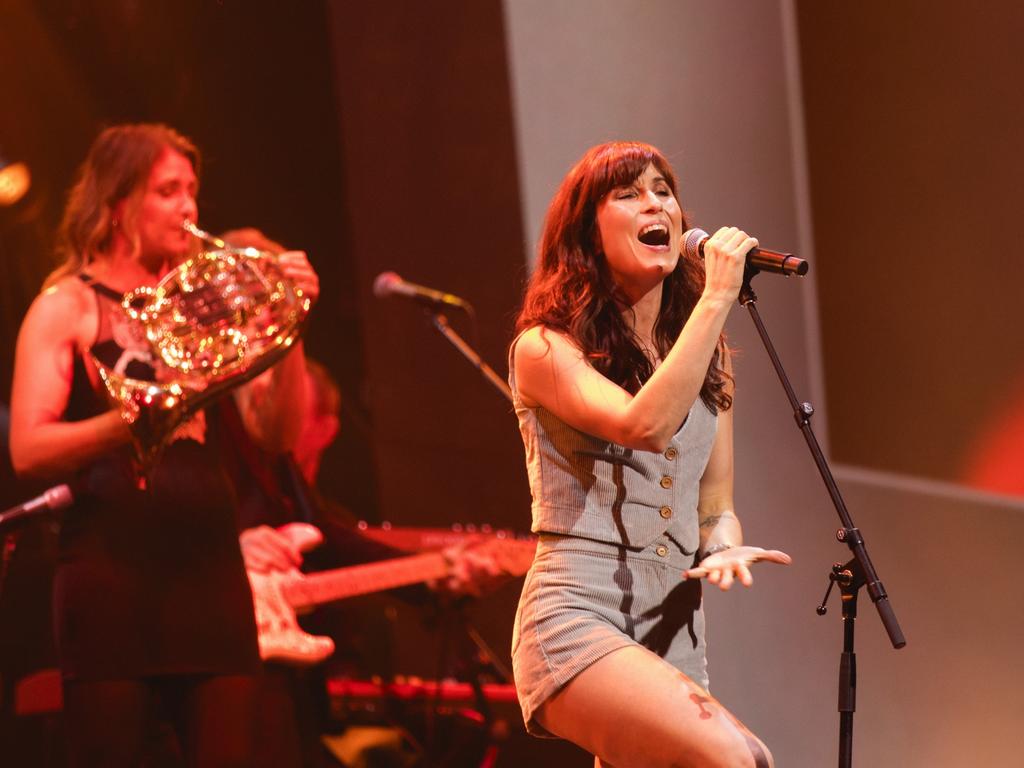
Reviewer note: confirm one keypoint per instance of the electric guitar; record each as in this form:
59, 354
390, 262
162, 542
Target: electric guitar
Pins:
277, 595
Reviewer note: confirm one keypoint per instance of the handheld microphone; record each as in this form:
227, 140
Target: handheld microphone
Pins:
761, 259
57, 497
390, 284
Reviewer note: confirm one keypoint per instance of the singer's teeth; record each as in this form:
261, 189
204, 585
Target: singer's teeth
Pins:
654, 234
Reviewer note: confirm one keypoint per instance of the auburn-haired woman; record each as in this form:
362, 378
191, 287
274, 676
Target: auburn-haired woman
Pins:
623, 390
152, 609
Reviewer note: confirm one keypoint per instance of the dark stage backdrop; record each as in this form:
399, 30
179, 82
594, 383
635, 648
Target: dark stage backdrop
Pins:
913, 119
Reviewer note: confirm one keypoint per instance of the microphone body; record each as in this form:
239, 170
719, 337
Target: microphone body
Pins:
55, 498
390, 284
761, 259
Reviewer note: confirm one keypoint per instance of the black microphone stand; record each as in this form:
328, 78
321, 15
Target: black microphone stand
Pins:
440, 322
859, 571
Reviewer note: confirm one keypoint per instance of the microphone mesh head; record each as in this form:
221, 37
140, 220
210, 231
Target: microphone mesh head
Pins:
692, 238
58, 497
384, 284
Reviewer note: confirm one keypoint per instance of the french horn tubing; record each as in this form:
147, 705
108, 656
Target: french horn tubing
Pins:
216, 321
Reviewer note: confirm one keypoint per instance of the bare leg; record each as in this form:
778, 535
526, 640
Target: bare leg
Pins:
632, 709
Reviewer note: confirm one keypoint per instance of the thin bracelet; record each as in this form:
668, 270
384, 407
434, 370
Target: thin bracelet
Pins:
714, 549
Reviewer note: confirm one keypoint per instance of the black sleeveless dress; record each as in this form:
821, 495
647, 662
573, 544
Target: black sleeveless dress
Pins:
149, 582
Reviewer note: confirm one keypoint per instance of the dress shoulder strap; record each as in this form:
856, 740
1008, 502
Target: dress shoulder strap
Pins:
103, 290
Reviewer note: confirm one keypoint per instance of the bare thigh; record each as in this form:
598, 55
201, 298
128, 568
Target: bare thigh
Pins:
632, 709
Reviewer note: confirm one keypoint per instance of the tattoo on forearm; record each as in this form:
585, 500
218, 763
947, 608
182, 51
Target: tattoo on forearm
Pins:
710, 521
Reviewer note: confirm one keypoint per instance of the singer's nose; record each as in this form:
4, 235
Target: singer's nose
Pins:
653, 201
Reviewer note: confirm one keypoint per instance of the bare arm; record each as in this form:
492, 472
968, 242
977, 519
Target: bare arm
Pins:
273, 404
42, 445
551, 370
721, 555
716, 516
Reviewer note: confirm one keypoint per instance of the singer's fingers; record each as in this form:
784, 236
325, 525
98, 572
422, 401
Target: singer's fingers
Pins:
726, 579
745, 576
774, 556
730, 243
740, 243
721, 237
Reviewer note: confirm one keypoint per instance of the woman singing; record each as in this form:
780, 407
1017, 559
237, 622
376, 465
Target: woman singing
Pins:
152, 609
623, 390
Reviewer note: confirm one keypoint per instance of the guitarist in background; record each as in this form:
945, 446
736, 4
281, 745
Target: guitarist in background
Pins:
279, 490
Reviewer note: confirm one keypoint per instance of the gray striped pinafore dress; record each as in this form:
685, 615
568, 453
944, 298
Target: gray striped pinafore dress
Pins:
616, 528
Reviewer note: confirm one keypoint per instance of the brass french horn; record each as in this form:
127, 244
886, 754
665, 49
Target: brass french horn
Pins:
216, 321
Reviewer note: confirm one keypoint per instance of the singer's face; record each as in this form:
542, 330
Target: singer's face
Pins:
168, 198
640, 226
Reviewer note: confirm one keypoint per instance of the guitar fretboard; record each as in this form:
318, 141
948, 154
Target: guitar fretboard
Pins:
354, 580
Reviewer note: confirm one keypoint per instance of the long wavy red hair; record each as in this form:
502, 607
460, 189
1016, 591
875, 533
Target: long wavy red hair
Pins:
572, 291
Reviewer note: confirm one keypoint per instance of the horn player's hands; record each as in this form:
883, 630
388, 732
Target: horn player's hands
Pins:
296, 266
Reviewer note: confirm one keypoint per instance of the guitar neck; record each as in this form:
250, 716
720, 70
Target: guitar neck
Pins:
317, 588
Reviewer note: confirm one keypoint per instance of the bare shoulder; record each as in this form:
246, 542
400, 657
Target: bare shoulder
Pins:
539, 344
544, 360
64, 311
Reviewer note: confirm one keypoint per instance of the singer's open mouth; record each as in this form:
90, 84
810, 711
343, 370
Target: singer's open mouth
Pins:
654, 234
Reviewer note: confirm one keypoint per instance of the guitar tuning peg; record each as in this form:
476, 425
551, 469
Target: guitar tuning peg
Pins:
485, 528
385, 526
362, 525
470, 528
457, 527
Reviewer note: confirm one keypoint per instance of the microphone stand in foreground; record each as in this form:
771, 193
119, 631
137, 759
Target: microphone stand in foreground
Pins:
440, 322
851, 576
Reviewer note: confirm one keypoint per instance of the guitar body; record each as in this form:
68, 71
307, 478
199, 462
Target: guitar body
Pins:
277, 594
280, 637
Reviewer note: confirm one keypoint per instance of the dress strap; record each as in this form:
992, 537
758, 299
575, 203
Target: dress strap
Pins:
103, 290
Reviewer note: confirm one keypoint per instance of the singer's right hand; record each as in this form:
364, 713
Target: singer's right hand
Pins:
725, 256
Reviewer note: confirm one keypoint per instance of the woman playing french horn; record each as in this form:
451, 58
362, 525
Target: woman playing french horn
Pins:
152, 609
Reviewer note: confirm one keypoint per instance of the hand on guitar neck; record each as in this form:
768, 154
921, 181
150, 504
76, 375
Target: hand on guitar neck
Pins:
266, 549
476, 564
473, 569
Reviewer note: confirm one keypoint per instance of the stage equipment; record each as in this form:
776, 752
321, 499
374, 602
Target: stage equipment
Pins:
278, 595
216, 321
53, 499
434, 302
390, 284
857, 572
761, 259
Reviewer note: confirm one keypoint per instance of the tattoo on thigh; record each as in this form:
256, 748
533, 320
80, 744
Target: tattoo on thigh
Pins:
700, 701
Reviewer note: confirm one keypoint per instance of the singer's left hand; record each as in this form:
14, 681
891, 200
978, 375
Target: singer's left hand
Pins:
723, 568
298, 269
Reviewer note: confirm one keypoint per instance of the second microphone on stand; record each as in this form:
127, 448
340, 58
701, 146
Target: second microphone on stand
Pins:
390, 284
